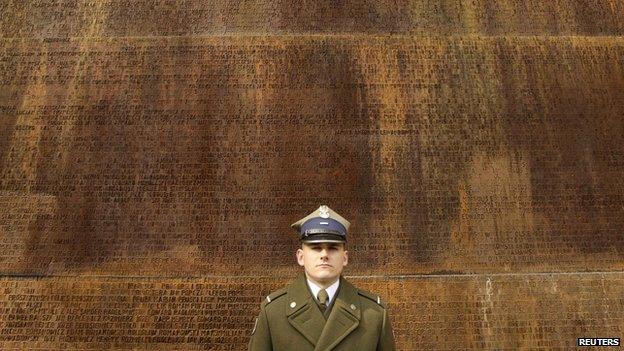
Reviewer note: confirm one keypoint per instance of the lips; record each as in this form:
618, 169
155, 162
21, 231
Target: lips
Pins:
325, 265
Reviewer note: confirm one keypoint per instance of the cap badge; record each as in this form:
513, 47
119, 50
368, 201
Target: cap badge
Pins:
324, 211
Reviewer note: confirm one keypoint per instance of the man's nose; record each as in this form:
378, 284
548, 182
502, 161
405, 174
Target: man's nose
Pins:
324, 253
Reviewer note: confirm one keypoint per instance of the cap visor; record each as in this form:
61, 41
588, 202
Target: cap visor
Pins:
323, 241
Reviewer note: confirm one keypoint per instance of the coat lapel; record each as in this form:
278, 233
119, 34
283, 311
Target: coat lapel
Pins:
302, 312
343, 319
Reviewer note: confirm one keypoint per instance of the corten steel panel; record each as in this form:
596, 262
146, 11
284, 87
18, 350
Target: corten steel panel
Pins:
110, 18
188, 156
181, 138
497, 312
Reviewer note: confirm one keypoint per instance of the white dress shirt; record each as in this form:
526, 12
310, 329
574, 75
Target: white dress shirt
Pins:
331, 290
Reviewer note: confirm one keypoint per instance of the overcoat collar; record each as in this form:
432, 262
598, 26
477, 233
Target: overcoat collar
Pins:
302, 312
308, 320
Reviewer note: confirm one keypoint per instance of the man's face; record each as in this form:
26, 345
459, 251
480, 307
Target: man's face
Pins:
323, 262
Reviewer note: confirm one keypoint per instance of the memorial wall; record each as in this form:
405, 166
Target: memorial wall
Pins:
154, 153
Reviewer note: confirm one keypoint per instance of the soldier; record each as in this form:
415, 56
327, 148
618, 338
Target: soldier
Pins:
320, 310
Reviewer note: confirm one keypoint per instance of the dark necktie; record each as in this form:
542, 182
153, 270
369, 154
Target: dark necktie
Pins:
322, 298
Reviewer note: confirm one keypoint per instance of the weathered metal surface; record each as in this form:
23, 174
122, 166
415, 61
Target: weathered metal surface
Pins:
448, 154
532, 311
150, 168
112, 18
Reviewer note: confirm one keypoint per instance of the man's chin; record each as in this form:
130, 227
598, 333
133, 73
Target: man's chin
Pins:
324, 277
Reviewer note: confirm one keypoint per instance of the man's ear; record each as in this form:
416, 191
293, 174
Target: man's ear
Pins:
299, 255
346, 257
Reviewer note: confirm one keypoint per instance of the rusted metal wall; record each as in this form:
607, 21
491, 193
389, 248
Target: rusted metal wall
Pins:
154, 153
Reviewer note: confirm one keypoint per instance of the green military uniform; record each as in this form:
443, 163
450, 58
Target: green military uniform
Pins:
291, 320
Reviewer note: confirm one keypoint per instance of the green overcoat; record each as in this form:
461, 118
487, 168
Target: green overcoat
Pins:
290, 319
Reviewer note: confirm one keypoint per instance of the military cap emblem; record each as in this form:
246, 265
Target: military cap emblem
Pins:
324, 211
322, 225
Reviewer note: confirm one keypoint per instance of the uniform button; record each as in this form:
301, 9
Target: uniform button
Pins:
352, 306
293, 304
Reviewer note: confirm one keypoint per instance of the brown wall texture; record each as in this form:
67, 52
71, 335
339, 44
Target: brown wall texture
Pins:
154, 153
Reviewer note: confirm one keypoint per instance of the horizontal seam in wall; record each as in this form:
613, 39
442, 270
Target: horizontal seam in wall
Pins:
317, 35
388, 277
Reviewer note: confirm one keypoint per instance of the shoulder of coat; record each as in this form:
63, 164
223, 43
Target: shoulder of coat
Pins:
275, 295
373, 297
